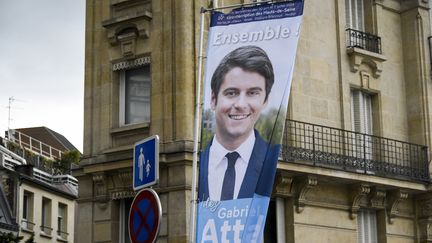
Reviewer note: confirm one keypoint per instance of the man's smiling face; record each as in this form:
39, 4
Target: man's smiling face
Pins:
238, 104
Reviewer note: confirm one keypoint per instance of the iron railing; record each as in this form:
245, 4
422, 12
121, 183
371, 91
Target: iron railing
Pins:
46, 230
10, 163
62, 234
33, 145
339, 149
363, 40
27, 225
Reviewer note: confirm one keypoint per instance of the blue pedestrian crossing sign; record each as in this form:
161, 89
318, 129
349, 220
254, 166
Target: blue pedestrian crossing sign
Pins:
146, 163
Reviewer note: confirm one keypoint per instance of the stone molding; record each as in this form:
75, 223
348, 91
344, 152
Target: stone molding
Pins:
359, 192
139, 21
283, 185
100, 186
377, 198
122, 194
394, 199
425, 208
304, 187
424, 205
122, 65
129, 21
358, 56
125, 177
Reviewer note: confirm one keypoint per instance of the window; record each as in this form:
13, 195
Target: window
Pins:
27, 211
354, 13
270, 226
360, 27
135, 92
274, 230
361, 111
25, 206
46, 216
62, 221
362, 123
366, 226
124, 217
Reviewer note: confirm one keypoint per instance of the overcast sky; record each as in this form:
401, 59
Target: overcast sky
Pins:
42, 65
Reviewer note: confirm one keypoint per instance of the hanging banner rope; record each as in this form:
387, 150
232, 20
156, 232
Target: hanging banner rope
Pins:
250, 60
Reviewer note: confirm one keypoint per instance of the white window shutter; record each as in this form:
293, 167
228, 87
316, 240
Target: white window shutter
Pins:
361, 112
361, 115
356, 110
366, 226
354, 14
360, 227
368, 128
348, 13
359, 15
373, 234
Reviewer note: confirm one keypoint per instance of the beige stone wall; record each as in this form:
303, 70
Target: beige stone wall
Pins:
327, 225
325, 72
171, 44
315, 95
327, 214
323, 76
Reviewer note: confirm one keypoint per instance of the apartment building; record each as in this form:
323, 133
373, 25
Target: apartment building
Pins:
355, 160
41, 200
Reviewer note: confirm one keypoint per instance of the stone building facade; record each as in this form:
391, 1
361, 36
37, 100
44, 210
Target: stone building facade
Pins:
355, 159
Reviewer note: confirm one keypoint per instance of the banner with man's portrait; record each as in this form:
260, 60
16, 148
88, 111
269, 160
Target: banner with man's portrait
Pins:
250, 60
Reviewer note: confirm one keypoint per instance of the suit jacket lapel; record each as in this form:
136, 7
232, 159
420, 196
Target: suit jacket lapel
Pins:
254, 168
203, 188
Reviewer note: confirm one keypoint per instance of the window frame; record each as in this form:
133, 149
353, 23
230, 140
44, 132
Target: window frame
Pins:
122, 95
46, 216
362, 120
362, 111
28, 210
275, 218
62, 220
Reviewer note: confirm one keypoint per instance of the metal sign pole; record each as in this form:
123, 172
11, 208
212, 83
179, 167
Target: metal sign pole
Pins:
196, 133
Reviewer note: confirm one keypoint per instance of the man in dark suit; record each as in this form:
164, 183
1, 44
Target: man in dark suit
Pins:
238, 163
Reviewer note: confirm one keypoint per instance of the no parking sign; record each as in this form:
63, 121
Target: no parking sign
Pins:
144, 217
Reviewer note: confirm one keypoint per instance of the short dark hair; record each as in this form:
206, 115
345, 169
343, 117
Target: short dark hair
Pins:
248, 58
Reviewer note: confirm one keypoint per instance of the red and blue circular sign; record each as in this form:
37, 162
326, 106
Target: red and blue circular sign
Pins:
144, 217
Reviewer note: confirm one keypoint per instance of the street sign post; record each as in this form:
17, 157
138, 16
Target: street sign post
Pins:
144, 217
146, 163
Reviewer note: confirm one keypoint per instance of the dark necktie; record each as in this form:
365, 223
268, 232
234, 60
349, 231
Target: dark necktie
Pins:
229, 179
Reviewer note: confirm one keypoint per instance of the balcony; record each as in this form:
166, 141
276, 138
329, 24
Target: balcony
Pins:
46, 231
344, 150
363, 40
62, 235
33, 145
27, 225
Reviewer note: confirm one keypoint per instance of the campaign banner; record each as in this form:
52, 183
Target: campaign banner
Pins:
250, 60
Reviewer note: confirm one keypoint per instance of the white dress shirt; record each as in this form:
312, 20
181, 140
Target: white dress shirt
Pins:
218, 164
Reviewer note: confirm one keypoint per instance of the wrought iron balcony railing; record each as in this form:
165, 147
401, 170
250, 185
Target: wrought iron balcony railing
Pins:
62, 234
356, 152
363, 40
46, 230
27, 225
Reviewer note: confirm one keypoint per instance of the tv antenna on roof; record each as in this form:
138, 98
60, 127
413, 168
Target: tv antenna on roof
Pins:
11, 100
